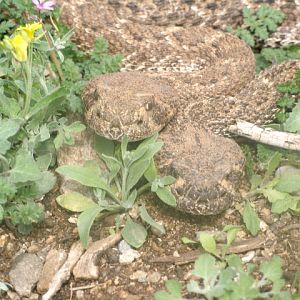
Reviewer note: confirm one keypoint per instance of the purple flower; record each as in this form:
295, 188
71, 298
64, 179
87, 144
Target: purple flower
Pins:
42, 5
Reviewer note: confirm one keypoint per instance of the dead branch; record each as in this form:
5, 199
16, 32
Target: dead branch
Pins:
64, 272
238, 247
269, 136
87, 268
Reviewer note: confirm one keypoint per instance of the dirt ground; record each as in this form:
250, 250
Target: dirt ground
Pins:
281, 236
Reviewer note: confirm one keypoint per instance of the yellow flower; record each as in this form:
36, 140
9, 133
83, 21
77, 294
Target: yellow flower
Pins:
29, 30
18, 46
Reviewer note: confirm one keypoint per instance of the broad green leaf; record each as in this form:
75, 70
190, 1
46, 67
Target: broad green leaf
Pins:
44, 184
44, 161
251, 219
151, 173
292, 124
255, 181
288, 182
9, 127
167, 180
136, 172
75, 202
46, 101
84, 175
194, 287
152, 139
85, 222
104, 146
245, 288
290, 202
232, 231
205, 267
112, 164
76, 127
272, 268
136, 154
152, 150
9, 106
4, 146
130, 200
235, 262
134, 234
208, 242
273, 163
165, 195
148, 219
186, 240
173, 291
25, 169
273, 195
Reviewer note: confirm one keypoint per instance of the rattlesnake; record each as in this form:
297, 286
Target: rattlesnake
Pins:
195, 80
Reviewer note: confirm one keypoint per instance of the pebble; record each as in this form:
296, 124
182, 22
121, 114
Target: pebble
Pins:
79, 294
248, 257
33, 248
112, 256
3, 240
154, 277
123, 246
176, 254
128, 255
140, 276
54, 261
25, 273
263, 226
111, 290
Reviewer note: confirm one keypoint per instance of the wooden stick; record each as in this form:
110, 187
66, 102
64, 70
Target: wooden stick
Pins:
269, 136
238, 247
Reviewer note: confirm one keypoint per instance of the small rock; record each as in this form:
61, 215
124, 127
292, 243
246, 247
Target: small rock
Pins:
140, 276
72, 220
25, 273
154, 277
12, 295
263, 226
79, 294
123, 295
248, 257
111, 290
157, 232
112, 255
54, 261
123, 246
3, 240
128, 257
34, 296
188, 275
33, 248
50, 239
176, 254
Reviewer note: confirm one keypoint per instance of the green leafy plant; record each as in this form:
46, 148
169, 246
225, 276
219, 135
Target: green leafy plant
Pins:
256, 28
117, 188
229, 279
31, 125
208, 241
258, 25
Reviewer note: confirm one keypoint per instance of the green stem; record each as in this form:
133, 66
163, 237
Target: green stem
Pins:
5, 162
28, 81
124, 180
143, 188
